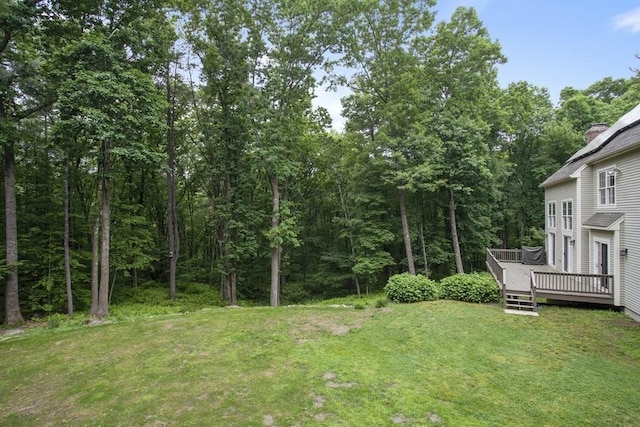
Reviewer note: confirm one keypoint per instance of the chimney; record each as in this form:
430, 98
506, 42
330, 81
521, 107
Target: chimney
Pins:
595, 130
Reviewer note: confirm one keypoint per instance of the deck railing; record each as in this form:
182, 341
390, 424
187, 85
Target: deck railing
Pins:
494, 266
507, 255
596, 284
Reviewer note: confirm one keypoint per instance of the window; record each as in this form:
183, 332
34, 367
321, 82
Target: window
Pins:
607, 187
551, 215
567, 215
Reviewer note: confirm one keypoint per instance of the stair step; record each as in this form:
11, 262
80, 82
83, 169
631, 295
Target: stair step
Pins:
520, 304
520, 307
521, 312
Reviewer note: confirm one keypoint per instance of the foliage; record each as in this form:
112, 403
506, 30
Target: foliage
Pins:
429, 138
472, 287
294, 293
382, 302
406, 288
151, 298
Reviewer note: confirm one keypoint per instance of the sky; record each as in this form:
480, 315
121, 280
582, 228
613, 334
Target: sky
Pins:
548, 43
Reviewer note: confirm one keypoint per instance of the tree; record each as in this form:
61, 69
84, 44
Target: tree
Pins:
297, 37
23, 93
109, 100
385, 105
525, 114
460, 65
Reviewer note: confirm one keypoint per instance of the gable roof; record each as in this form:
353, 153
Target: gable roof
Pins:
624, 134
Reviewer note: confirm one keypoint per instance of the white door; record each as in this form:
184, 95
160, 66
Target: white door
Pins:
551, 249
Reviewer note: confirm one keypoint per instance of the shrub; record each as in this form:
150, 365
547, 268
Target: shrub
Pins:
407, 288
381, 303
474, 287
293, 293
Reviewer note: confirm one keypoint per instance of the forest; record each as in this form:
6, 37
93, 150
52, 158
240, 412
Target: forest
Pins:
168, 142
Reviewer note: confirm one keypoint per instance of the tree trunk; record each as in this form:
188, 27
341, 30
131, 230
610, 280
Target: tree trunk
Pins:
12, 302
276, 250
172, 222
103, 291
454, 232
234, 287
67, 256
95, 252
424, 250
405, 232
347, 219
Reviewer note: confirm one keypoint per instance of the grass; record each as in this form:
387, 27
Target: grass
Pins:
436, 363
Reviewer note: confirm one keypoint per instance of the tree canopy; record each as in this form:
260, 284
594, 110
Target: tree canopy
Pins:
160, 142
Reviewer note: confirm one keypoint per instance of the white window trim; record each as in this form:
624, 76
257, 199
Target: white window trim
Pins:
564, 217
607, 171
554, 216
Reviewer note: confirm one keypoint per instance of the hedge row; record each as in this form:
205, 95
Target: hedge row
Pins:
474, 287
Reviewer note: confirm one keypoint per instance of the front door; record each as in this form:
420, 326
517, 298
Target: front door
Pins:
601, 258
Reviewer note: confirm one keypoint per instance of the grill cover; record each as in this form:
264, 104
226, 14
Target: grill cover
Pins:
533, 255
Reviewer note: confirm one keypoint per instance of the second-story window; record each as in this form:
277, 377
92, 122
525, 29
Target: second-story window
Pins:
607, 187
567, 215
551, 215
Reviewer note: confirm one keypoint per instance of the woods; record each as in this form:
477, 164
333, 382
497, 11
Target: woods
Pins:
160, 142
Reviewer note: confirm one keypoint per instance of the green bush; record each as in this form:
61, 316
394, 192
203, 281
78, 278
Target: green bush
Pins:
474, 287
407, 288
381, 303
293, 293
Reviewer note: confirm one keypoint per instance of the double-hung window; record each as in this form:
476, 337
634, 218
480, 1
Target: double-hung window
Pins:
551, 214
567, 215
607, 187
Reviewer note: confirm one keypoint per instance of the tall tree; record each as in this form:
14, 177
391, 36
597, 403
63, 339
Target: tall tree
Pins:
297, 37
23, 93
461, 67
110, 101
525, 114
385, 105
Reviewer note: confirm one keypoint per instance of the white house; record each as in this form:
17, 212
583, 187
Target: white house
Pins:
593, 211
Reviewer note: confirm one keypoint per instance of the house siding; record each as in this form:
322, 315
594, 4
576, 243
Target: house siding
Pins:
627, 201
588, 208
559, 193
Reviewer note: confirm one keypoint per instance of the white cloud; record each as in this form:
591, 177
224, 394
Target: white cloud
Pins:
628, 21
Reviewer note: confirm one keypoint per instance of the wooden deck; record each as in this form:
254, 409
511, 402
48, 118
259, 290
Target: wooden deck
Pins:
543, 281
518, 275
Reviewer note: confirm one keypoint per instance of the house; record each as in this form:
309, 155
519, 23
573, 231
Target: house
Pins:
593, 213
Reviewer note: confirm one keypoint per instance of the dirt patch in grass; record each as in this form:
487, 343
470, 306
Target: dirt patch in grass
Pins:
309, 327
328, 376
629, 323
318, 401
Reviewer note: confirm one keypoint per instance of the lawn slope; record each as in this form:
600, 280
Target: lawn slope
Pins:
437, 363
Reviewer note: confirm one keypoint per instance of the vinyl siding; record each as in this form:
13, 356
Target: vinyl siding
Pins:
558, 193
628, 201
588, 200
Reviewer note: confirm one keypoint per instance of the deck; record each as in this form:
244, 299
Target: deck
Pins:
543, 281
518, 275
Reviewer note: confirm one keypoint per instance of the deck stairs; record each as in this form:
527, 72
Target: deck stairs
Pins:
520, 303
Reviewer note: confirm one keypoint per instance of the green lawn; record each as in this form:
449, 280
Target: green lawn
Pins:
436, 363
